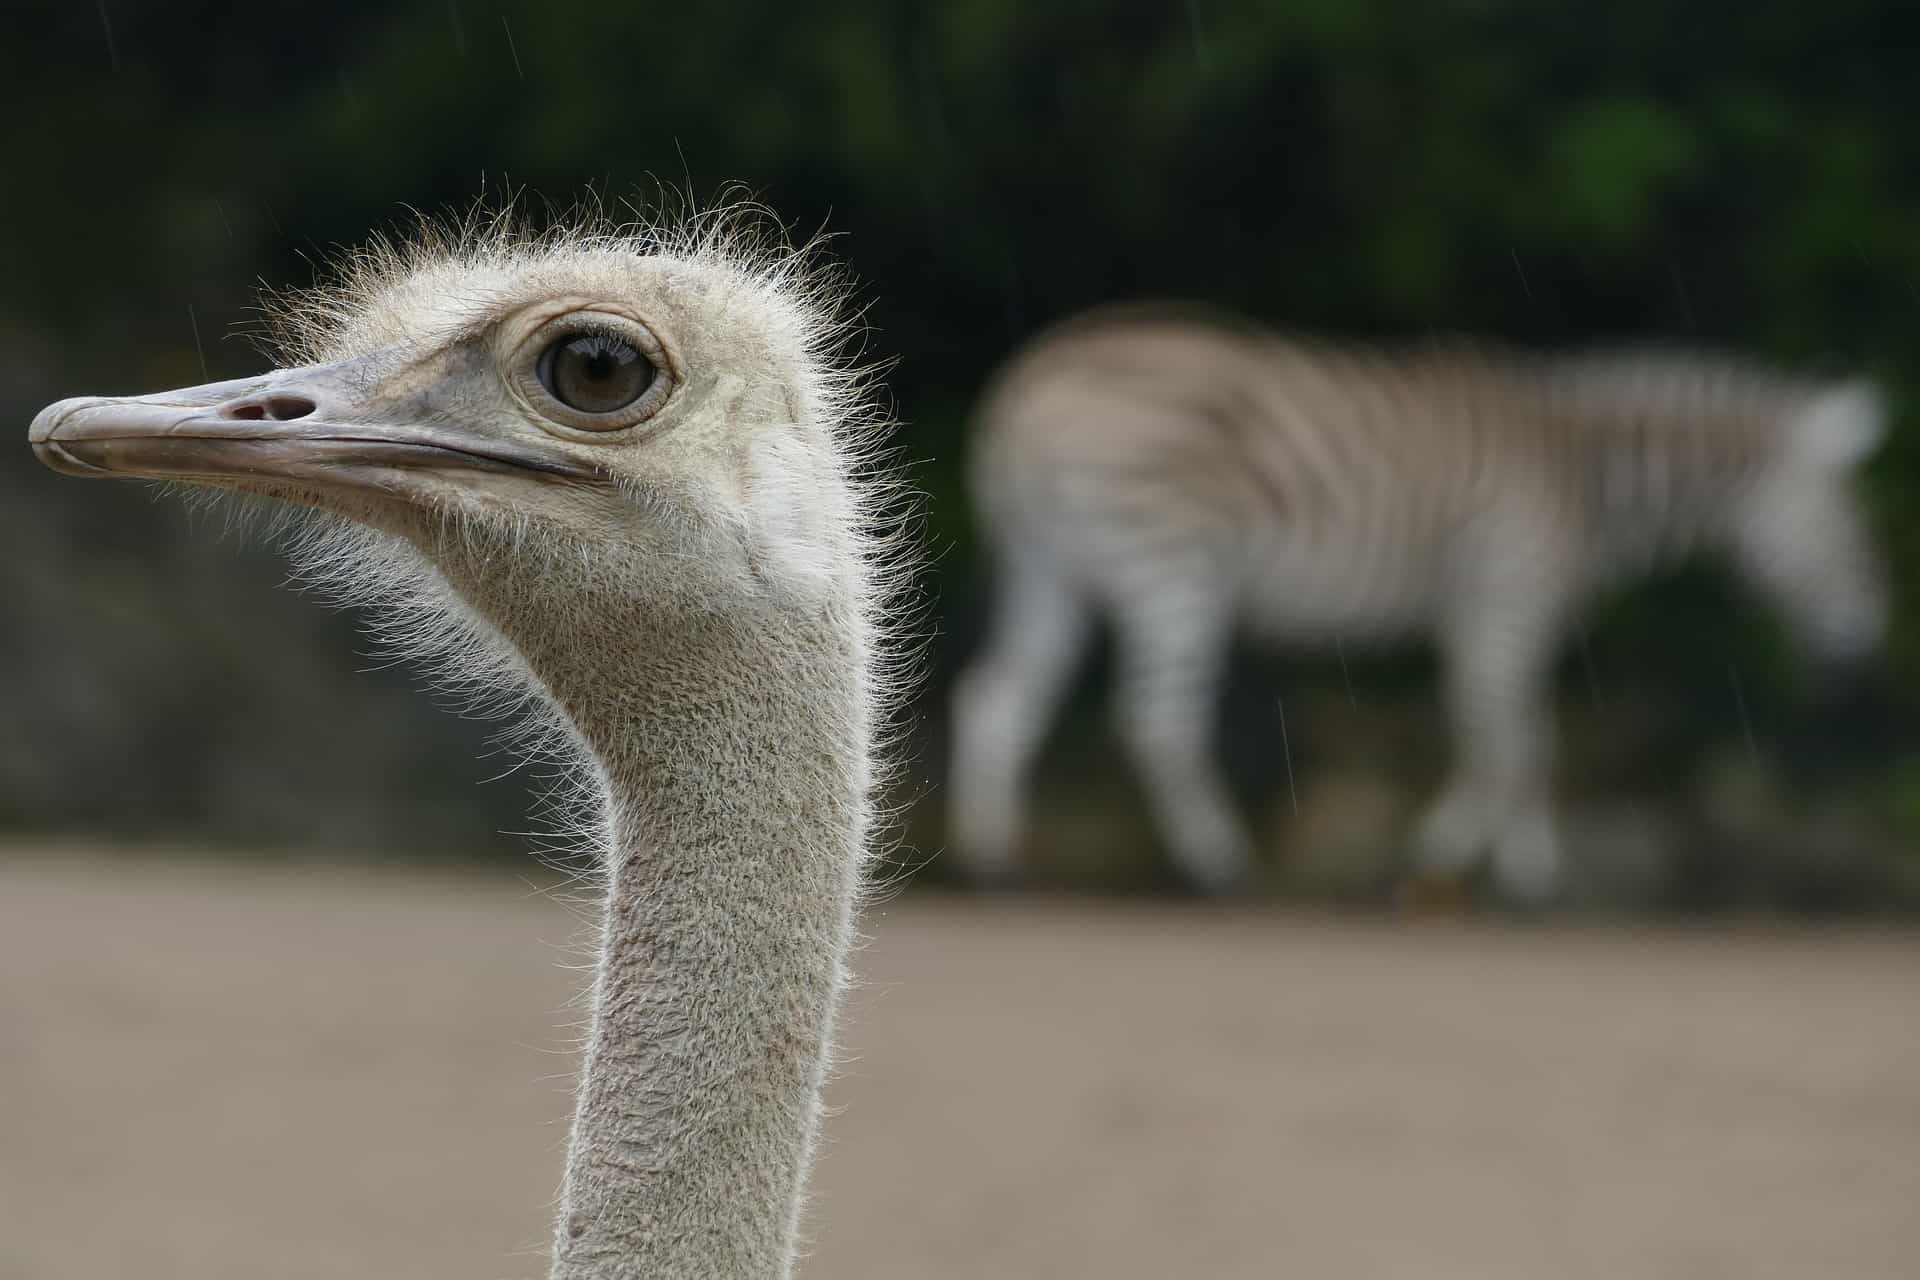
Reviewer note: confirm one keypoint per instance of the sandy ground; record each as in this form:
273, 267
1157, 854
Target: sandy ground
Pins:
220, 1072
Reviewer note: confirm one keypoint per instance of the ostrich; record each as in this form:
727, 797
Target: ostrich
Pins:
622, 475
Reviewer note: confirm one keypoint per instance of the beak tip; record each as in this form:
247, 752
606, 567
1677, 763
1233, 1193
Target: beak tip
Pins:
46, 424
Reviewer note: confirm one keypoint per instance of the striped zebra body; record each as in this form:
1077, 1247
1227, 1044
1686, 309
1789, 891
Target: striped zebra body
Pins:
1184, 477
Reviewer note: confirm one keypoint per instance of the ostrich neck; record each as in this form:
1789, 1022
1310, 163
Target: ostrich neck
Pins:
732, 748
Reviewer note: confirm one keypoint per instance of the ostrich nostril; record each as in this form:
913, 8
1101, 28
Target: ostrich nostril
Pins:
287, 408
277, 408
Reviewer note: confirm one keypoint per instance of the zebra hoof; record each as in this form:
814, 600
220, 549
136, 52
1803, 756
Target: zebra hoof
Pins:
1530, 866
1450, 839
1216, 878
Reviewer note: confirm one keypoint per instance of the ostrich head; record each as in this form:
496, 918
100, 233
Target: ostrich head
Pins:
620, 474
667, 400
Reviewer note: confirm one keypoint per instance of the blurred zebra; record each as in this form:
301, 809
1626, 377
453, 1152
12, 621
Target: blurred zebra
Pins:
1181, 476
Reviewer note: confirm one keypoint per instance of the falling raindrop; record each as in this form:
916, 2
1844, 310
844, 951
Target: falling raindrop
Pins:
1286, 754
1746, 723
512, 48
198, 349
1525, 286
106, 25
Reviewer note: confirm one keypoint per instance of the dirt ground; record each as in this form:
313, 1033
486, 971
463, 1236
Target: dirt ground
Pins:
216, 1071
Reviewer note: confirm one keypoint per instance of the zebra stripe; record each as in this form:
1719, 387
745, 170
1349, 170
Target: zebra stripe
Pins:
1181, 476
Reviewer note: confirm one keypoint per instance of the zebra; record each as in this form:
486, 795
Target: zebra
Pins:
1181, 475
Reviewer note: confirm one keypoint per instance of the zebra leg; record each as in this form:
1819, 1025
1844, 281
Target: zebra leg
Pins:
1172, 650
1529, 859
1002, 704
1452, 835
1497, 648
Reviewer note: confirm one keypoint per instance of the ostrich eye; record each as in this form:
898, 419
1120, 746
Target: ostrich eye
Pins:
594, 369
595, 372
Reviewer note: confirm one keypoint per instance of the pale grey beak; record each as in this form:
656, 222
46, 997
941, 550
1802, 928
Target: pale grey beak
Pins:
316, 423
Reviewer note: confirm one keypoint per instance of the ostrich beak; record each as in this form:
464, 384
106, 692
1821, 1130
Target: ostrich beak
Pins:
328, 425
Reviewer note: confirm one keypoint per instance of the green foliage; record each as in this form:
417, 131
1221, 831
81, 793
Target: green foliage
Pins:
1616, 162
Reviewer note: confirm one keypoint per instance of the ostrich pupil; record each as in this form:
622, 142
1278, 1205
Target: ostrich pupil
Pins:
595, 373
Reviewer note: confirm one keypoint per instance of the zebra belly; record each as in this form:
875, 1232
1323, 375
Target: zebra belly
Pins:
1342, 583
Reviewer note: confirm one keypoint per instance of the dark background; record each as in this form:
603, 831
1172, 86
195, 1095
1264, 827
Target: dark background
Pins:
1742, 175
